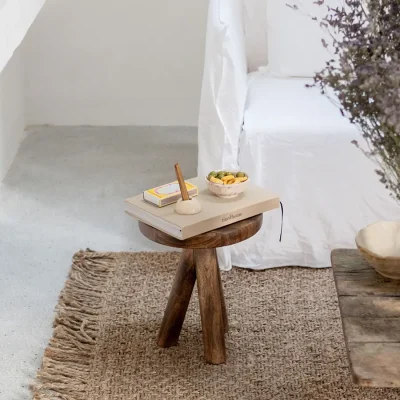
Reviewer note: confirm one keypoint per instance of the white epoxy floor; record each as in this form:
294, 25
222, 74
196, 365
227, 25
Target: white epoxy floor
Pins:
65, 192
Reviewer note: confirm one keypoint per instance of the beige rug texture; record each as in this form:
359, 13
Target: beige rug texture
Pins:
285, 340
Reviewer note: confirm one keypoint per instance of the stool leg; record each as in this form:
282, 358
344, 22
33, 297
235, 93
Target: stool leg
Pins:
178, 301
224, 312
212, 320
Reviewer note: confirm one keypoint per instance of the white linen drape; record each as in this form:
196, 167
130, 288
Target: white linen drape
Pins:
224, 87
223, 94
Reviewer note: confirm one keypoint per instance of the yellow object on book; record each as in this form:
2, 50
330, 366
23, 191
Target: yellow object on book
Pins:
167, 194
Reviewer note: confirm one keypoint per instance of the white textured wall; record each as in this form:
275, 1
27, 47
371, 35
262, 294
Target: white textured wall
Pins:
125, 62
12, 121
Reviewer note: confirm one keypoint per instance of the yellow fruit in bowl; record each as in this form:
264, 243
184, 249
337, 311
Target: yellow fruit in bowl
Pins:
228, 178
216, 180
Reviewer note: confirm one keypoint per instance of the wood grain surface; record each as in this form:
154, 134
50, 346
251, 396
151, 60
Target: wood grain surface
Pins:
370, 310
178, 301
224, 236
212, 319
223, 304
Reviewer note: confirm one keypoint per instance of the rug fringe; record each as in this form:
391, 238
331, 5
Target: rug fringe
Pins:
66, 363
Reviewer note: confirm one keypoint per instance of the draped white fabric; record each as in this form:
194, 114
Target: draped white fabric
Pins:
224, 92
224, 87
256, 35
291, 140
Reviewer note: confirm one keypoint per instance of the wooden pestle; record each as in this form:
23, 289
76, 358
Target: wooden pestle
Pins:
181, 181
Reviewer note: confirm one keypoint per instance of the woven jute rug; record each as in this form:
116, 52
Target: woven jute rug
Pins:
285, 340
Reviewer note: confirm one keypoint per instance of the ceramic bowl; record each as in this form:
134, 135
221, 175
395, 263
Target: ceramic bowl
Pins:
227, 191
379, 244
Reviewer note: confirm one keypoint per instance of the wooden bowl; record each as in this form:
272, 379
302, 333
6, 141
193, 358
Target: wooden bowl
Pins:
379, 244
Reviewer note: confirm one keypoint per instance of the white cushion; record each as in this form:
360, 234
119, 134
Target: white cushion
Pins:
284, 106
255, 27
294, 39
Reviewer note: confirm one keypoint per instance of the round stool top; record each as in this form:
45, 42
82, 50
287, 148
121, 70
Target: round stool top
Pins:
224, 236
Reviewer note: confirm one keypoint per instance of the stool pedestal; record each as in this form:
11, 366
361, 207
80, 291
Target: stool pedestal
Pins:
199, 263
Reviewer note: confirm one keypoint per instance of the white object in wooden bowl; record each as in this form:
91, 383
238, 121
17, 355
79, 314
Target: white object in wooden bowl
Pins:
227, 191
379, 244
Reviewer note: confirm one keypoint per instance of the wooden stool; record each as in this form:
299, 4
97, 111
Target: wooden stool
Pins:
199, 261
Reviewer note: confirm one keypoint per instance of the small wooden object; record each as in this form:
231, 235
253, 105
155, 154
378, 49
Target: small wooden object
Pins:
199, 262
181, 181
370, 310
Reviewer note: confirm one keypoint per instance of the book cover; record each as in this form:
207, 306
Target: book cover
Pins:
169, 193
216, 212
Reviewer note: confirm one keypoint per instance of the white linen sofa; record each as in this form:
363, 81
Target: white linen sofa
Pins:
289, 139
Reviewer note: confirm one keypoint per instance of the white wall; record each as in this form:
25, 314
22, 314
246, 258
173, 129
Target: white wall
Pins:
15, 19
12, 121
124, 62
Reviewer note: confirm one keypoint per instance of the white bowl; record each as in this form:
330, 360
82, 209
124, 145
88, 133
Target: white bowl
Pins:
227, 191
379, 244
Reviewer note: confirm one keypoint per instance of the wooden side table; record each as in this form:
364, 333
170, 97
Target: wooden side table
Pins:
370, 310
199, 262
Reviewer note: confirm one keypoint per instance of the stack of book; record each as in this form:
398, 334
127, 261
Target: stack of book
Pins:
216, 212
